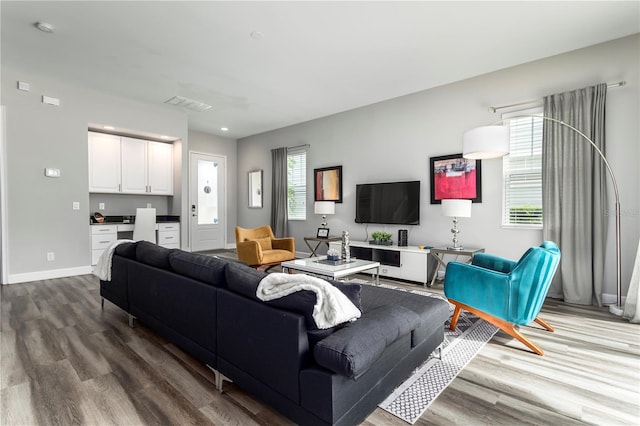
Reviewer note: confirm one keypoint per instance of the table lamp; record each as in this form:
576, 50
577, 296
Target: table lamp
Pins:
324, 208
456, 209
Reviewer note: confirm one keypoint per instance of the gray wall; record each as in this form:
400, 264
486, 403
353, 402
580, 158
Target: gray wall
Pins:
393, 140
211, 144
39, 210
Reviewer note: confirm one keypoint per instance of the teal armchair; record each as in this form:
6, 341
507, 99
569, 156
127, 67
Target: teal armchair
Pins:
504, 292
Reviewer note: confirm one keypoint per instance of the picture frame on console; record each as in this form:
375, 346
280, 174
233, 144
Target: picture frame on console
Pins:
327, 184
455, 177
322, 233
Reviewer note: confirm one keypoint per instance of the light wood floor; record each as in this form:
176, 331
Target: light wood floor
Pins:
65, 361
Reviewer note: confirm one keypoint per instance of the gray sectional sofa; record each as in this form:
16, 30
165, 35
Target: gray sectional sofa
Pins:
208, 307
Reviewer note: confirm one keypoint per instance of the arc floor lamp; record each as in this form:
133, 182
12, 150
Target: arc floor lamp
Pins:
493, 141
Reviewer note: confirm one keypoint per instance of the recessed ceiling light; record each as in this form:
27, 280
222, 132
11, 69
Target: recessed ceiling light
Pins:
257, 35
224, 129
108, 127
44, 27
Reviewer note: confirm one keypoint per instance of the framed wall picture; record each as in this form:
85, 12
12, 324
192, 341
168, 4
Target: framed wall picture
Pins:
323, 233
327, 184
453, 176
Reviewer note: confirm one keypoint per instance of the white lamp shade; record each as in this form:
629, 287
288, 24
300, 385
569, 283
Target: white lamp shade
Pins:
324, 207
456, 208
485, 142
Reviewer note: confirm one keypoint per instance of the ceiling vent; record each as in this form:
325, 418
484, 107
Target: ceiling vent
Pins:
189, 104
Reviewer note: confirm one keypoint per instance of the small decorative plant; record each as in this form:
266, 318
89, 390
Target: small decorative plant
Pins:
380, 237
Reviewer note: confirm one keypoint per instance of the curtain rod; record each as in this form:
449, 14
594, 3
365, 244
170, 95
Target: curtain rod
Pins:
495, 109
306, 145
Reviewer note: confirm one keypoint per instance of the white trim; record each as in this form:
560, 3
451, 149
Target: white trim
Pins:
611, 299
50, 274
226, 194
4, 245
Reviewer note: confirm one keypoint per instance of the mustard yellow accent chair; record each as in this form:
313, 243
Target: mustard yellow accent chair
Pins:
258, 247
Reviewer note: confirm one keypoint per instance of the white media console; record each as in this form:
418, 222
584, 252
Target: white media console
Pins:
403, 262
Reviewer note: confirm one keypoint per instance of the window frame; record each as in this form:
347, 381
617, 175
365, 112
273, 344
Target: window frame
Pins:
299, 186
508, 171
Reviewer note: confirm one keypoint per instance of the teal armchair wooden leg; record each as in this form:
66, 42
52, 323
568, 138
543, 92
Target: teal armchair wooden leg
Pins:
503, 325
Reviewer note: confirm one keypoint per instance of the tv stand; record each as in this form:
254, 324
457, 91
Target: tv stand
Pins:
403, 262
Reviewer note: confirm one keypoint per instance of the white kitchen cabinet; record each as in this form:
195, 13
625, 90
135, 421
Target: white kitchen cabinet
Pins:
129, 165
104, 162
101, 237
160, 168
134, 166
169, 235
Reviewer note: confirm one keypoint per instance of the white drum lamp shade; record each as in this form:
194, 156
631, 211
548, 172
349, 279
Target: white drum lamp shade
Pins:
485, 142
456, 208
324, 207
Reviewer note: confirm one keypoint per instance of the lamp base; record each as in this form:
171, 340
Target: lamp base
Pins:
455, 248
616, 310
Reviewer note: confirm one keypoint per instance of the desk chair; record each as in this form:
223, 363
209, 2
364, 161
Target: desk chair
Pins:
145, 225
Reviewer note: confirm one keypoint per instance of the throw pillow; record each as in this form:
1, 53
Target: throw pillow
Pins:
265, 243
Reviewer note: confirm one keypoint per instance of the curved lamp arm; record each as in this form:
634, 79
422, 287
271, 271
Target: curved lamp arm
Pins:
487, 142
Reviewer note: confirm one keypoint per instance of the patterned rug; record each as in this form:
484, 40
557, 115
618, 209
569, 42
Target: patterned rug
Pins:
412, 398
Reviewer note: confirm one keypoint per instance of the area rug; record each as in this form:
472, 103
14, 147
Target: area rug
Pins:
412, 398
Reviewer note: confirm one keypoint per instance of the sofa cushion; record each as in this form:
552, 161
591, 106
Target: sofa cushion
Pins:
127, 250
351, 350
208, 269
244, 280
153, 255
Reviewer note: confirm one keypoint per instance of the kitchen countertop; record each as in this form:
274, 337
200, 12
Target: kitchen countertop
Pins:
120, 220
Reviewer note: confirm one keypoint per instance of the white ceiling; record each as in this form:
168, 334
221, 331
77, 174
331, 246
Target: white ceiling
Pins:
314, 59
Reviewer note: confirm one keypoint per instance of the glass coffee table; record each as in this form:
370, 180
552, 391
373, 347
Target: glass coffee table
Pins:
333, 269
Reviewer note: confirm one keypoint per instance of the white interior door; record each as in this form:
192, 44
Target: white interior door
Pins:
207, 184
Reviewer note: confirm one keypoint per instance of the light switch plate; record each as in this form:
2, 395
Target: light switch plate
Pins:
100, 206
24, 86
53, 173
76, 205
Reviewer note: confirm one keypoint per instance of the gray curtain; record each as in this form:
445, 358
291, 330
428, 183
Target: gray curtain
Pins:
279, 192
574, 192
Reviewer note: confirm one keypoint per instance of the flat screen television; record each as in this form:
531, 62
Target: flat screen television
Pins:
393, 203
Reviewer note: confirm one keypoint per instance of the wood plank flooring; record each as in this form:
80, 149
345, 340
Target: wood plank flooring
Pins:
65, 361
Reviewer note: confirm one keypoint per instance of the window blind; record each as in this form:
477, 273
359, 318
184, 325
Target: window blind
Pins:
297, 184
522, 170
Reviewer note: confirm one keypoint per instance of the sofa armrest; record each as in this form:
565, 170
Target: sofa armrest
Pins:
494, 263
249, 252
487, 290
287, 243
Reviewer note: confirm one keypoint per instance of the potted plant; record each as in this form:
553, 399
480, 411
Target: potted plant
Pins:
381, 238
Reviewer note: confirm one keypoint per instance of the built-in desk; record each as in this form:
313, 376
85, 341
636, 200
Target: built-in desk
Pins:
103, 234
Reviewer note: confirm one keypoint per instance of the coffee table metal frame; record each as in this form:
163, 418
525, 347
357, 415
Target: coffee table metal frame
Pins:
340, 270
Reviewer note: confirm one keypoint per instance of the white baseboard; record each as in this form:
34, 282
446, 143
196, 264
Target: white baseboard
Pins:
611, 299
48, 275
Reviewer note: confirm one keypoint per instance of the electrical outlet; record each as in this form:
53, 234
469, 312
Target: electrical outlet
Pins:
148, 205
100, 206
51, 256
76, 205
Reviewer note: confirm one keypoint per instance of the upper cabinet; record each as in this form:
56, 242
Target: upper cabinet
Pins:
104, 163
129, 166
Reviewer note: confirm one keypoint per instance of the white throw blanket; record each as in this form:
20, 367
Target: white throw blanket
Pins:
332, 306
103, 267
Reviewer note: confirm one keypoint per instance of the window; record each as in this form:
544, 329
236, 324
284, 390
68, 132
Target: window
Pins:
297, 184
522, 170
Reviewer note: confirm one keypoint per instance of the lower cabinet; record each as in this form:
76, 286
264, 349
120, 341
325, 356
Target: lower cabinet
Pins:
168, 235
403, 262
